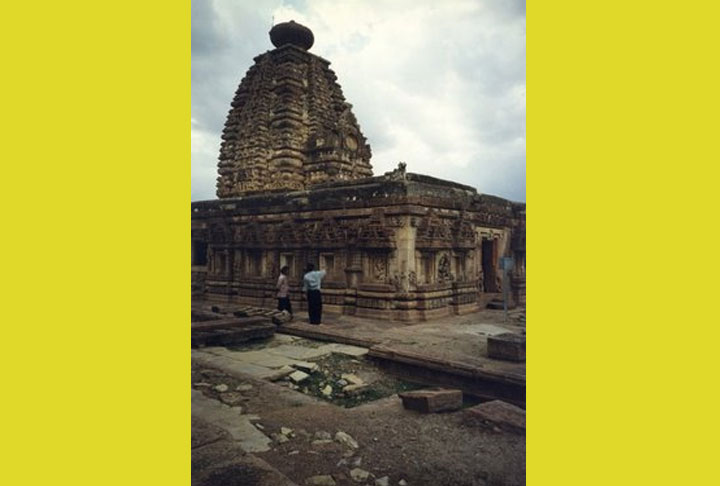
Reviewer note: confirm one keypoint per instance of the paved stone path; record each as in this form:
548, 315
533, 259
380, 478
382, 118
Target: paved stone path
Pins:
232, 420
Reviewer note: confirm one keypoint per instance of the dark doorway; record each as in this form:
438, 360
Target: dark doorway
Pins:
489, 259
199, 252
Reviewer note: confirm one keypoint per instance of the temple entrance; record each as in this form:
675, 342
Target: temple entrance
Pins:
489, 259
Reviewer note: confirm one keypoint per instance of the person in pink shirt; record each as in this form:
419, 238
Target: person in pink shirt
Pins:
283, 286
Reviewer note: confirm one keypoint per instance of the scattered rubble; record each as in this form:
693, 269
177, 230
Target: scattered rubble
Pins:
281, 373
346, 440
221, 388
354, 389
359, 474
279, 438
299, 376
351, 378
231, 398
324, 480
321, 442
305, 366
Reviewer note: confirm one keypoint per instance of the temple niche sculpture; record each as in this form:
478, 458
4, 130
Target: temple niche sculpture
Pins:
295, 186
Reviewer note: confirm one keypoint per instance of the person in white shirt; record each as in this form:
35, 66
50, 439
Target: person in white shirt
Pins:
283, 286
311, 285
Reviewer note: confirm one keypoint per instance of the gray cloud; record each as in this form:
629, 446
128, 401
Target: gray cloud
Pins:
439, 85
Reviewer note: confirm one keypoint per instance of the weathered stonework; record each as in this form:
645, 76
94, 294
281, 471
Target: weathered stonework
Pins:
289, 126
294, 188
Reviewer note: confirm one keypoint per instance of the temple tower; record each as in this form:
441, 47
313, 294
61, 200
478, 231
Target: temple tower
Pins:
289, 125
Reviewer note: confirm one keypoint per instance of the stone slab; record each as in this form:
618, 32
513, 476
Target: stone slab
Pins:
239, 369
204, 433
299, 376
306, 366
498, 413
326, 333
228, 419
261, 358
299, 352
507, 346
284, 339
352, 379
431, 401
224, 463
281, 373
347, 349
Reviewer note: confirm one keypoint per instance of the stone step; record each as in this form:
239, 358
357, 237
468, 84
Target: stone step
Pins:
431, 401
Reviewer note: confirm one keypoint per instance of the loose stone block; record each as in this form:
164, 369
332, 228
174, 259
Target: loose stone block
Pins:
322, 480
354, 379
430, 401
498, 413
507, 346
298, 376
354, 389
306, 366
281, 373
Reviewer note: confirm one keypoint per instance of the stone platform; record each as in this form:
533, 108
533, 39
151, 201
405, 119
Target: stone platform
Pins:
444, 352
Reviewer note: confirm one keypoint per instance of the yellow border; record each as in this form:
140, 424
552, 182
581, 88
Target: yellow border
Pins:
622, 101
96, 198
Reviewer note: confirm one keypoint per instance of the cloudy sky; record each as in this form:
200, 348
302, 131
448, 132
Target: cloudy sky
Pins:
439, 85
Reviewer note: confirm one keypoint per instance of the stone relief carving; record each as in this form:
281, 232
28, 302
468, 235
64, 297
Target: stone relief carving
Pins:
379, 268
398, 174
412, 278
444, 274
329, 232
275, 127
480, 282
397, 281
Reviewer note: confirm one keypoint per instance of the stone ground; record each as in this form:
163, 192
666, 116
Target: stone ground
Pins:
457, 338
253, 431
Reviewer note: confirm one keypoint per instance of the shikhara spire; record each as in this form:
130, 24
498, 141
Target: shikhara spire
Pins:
290, 125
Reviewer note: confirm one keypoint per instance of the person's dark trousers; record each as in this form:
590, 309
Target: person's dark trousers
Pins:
284, 304
314, 298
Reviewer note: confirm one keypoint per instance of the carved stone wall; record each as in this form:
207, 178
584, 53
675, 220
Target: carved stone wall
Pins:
401, 248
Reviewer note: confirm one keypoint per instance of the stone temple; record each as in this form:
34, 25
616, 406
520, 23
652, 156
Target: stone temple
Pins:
296, 185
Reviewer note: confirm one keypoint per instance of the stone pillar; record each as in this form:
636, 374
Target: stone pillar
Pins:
404, 254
